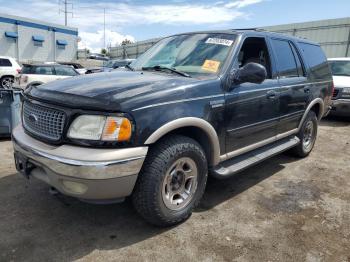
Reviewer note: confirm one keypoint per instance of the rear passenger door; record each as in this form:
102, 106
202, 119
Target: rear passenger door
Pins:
294, 87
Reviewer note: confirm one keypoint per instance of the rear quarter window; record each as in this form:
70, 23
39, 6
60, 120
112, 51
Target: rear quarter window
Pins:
316, 60
5, 62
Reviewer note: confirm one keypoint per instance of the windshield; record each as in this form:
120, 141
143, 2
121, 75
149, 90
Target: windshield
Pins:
197, 55
340, 68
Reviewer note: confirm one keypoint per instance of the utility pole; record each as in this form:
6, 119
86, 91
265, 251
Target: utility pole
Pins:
65, 10
104, 28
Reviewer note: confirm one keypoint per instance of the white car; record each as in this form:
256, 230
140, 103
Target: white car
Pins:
34, 75
9, 68
340, 68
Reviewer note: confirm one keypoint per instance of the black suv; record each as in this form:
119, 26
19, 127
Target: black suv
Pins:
194, 104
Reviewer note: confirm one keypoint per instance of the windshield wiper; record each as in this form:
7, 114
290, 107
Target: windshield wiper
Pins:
165, 68
129, 67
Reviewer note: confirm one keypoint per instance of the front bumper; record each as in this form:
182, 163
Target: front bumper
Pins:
340, 107
85, 173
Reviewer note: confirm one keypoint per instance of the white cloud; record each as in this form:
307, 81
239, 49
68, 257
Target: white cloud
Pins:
88, 18
242, 3
94, 41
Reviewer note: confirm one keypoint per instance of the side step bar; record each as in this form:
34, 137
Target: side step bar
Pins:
239, 163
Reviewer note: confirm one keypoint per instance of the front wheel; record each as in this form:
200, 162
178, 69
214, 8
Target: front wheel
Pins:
172, 181
307, 136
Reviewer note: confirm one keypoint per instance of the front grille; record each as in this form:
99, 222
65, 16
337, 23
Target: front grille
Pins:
42, 121
335, 93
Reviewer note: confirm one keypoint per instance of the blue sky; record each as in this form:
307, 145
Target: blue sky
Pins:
142, 19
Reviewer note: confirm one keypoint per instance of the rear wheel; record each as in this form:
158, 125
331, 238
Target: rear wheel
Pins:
7, 82
172, 181
307, 136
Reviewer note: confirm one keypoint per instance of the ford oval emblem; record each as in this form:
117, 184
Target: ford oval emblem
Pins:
33, 118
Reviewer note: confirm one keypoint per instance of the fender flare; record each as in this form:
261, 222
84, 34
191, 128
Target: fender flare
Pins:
190, 122
312, 103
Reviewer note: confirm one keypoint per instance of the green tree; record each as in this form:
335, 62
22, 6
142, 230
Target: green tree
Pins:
126, 41
103, 51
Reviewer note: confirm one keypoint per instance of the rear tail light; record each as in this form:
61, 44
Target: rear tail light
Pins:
24, 79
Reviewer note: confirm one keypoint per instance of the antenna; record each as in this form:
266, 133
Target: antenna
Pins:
65, 4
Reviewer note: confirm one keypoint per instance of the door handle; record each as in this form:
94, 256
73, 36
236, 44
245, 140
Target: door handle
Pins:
271, 94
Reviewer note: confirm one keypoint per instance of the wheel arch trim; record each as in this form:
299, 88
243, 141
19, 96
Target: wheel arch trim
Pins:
190, 122
314, 102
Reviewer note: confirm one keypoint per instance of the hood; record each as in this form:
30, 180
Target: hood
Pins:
106, 91
341, 81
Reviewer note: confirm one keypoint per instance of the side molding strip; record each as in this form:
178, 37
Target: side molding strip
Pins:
190, 122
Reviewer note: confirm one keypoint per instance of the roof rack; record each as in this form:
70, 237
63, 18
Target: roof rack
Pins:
249, 29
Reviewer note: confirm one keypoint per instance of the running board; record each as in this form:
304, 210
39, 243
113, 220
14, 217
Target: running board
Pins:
239, 163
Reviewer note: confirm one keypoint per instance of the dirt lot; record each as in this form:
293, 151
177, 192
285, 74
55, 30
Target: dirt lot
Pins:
284, 209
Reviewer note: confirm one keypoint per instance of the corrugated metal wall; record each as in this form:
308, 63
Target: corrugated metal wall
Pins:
132, 50
333, 35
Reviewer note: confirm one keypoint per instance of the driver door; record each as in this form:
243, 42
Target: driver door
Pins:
251, 111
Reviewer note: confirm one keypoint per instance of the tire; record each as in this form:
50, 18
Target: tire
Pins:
174, 164
6, 82
307, 136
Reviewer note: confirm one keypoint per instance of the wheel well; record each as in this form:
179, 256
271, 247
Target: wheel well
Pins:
198, 135
7, 76
316, 108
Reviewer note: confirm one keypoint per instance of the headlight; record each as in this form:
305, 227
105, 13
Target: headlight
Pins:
346, 90
105, 128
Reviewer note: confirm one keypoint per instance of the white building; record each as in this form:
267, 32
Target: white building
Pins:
30, 40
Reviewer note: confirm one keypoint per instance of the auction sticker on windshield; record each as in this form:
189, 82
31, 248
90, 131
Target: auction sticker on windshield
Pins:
219, 41
211, 65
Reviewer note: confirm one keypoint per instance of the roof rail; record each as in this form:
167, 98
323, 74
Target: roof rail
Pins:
249, 29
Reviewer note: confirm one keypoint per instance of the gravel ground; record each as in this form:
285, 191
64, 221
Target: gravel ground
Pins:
284, 209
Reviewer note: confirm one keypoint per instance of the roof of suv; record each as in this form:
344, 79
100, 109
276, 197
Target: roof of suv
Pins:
253, 31
47, 65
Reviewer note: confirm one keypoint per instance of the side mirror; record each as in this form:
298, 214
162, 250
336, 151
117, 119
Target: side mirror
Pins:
250, 73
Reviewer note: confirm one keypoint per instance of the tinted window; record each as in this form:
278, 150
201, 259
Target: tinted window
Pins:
285, 59
65, 71
340, 68
5, 62
316, 59
296, 54
26, 69
43, 70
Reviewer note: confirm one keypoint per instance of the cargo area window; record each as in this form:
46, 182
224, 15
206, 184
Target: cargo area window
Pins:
5, 62
254, 50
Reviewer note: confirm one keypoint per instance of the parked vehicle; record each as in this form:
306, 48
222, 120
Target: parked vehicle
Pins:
211, 102
34, 75
9, 68
340, 68
116, 63
98, 56
78, 67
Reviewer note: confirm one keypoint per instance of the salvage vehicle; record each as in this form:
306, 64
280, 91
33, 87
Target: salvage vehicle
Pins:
340, 68
194, 104
9, 68
38, 74
78, 67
